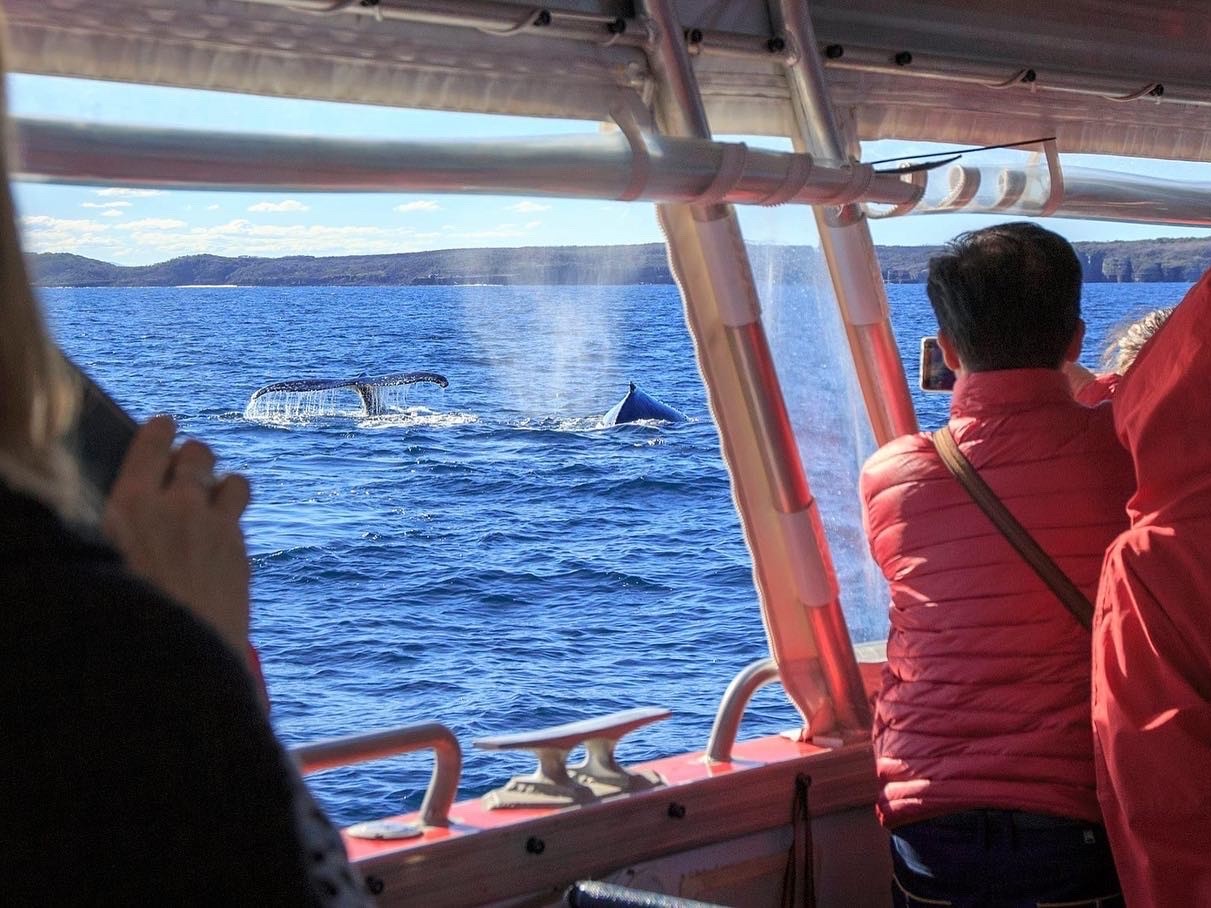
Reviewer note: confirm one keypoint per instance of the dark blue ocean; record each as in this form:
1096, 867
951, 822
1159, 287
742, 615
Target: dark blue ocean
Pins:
486, 556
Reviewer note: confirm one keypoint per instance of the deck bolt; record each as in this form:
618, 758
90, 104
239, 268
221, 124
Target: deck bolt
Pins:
375, 885
677, 811
535, 845
1029, 76
617, 27
1157, 91
693, 35
775, 45
903, 58
543, 18
834, 51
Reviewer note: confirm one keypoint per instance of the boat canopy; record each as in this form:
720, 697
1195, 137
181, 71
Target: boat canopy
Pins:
675, 76
1110, 78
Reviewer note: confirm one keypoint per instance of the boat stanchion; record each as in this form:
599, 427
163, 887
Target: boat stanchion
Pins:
554, 783
751, 679
443, 785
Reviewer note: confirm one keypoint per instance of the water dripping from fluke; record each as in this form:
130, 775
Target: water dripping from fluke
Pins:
305, 400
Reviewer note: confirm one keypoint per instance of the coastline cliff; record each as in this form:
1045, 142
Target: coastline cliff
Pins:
1174, 260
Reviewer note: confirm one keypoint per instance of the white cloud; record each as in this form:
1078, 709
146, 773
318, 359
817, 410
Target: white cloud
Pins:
41, 221
112, 213
105, 205
422, 205
527, 207
212, 207
153, 224
41, 233
113, 191
286, 205
531, 225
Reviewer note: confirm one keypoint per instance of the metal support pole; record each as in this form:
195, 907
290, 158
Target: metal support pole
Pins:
845, 238
791, 562
589, 166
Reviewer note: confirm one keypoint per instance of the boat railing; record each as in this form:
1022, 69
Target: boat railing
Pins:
447, 763
735, 699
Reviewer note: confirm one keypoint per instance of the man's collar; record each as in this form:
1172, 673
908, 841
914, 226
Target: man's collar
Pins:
977, 393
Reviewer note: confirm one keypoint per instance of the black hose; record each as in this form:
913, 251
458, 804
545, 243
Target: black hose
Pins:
591, 894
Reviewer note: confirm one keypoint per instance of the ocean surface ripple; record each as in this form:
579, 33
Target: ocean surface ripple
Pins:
484, 556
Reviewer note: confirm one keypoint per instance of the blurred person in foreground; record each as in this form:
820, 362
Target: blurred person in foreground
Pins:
137, 763
1152, 627
982, 736
1091, 388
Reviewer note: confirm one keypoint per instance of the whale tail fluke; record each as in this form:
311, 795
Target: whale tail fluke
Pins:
368, 388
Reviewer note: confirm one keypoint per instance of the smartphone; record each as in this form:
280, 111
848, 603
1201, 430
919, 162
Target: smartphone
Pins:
101, 436
935, 374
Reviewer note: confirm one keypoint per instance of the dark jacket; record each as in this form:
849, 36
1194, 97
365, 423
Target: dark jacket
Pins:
136, 764
985, 698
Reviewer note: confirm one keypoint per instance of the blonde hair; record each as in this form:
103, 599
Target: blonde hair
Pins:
39, 396
1127, 343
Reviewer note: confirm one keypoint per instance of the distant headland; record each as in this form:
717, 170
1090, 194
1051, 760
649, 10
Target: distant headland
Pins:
1176, 260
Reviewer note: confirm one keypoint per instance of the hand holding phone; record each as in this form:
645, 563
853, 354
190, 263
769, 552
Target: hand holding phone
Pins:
102, 435
177, 525
935, 374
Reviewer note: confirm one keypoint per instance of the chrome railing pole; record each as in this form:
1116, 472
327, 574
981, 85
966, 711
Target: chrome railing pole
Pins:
792, 566
447, 760
587, 166
845, 237
862, 298
751, 679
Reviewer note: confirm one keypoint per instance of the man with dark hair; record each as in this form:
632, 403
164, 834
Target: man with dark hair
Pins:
982, 730
1008, 297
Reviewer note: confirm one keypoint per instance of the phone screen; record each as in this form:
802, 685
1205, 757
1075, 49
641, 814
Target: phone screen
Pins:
935, 374
102, 435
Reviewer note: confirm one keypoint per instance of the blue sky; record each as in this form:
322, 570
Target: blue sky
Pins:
132, 226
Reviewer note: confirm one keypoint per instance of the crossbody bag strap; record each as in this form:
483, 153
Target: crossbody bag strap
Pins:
1074, 600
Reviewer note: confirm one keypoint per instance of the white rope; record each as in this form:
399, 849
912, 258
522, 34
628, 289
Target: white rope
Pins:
1055, 172
1013, 80
797, 175
635, 121
860, 177
523, 24
918, 178
1136, 95
731, 169
335, 6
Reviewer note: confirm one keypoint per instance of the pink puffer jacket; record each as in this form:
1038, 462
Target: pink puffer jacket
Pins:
1152, 630
985, 698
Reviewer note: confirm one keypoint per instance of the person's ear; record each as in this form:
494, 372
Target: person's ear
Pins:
950, 355
1073, 353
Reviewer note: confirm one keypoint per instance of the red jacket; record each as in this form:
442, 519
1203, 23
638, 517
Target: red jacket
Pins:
985, 698
1152, 630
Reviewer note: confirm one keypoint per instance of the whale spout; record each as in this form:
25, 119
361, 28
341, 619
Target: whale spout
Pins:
637, 405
